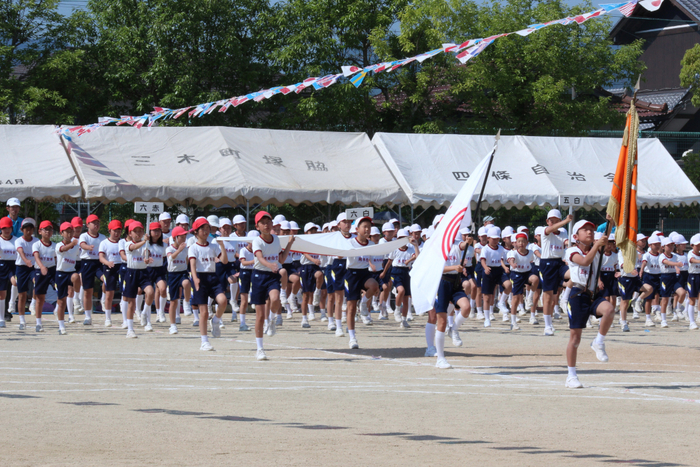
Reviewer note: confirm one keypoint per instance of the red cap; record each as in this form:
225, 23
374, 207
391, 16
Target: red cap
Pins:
262, 214
177, 231
371, 221
154, 225
198, 223
5, 223
521, 235
91, 218
76, 222
45, 225
135, 224
65, 226
114, 225
127, 223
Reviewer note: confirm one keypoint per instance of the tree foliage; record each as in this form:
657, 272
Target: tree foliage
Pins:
690, 72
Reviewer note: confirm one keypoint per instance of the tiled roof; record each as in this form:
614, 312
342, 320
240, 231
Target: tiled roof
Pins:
670, 97
691, 6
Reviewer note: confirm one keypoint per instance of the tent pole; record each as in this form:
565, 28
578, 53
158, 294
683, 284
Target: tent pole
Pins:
400, 221
329, 213
412, 217
247, 214
572, 213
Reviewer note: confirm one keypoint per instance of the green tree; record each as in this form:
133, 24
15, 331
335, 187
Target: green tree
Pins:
690, 72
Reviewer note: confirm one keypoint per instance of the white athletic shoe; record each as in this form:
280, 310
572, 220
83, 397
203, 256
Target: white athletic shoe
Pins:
279, 319
548, 331
331, 324
487, 323
383, 315
514, 327
143, 319
289, 314
472, 315
234, 317
572, 382
635, 315
272, 328
625, 327
339, 332
344, 319
187, 308
480, 316
305, 323
312, 316
404, 324
87, 322
599, 350
62, 332
39, 328
506, 317
32, 308
649, 323
215, 330
108, 323
442, 364
22, 326
260, 355
533, 320
397, 316
148, 328
2, 324
173, 329
130, 334
503, 308
353, 344
160, 318
222, 325
324, 317
234, 306
431, 352
664, 324
557, 315
206, 346
375, 306
71, 320
366, 320
456, 340
195, 323
693, 326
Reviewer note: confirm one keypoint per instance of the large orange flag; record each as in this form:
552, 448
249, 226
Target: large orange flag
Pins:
622, 205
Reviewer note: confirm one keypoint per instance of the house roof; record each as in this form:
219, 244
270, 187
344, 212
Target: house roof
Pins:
691, 7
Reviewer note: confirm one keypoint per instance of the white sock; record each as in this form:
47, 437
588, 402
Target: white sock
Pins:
123, 307
204, 339
450, 321
502, 299
691, 313
311, 308
130, 324
440, 344
480, 310
459, 319
430, 334
177, 309
210, 301
2, 311
61, 324
242, 318
565, 294
472, 303
655, 308
139, 302
351, 333
33, 303
491, 310
548, 321
195, 312
147, 310
88, 314
161, 306
663, 316
345, 315
22, 319
600, 339
572, 371
233, 290
259, 342
14, 293
108, 313
38, 321
364, 299
69, 306
532, 314
339, 323
513, 320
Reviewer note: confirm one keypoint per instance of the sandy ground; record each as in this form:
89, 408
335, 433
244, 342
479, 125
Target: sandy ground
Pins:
96, 398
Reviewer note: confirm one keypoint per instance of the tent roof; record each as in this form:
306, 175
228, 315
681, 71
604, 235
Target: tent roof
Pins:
217, 165
529, 171
35, 164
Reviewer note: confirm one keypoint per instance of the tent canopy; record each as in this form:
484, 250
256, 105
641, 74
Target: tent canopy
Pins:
217, 165
35, 164
529, 171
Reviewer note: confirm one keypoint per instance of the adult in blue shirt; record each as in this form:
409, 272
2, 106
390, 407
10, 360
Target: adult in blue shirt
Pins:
13, 214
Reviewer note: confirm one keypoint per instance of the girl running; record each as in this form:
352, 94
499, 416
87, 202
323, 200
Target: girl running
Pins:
157, 271
44, 252
67, 254
136, 274
8, 256
111, 259
178, 279
24, 266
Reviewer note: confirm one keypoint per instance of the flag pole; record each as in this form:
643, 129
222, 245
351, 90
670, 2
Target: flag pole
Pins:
483, 187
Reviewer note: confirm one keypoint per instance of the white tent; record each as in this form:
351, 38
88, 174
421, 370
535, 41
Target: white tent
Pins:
35, 164
217, 165
529, 171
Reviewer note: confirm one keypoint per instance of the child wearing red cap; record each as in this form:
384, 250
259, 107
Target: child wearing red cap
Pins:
521, 274
111, 261
8, 255
44, 252
90, 245
24, 266
67, 254
75, 293
202, 257
136, 275
123, 304
157, 270
178, 279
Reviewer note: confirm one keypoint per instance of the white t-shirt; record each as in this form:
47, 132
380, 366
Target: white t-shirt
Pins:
693, 268
47, 254
27, 249
270, 251
306, 261
232, 249
384, 240
453, 258
652, 266
400, 258
65, 260
492, 256
179, 263
111, 251
8, 250
683, 259
609, 262
579, 274
523, 263
135, 259
90, 240
205, 256
244, 254
469, 257
553, 245
534, 247
157, 253
665, 268
359, 262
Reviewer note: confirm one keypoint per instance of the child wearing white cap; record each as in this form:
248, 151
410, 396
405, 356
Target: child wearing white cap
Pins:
552, 267
680, 307
651, 278
693, 279
628, 283
493, 260
385, 284
399, 263
668, 264
479, 272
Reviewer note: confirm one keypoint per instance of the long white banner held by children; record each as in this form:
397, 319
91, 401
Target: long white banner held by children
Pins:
427, 270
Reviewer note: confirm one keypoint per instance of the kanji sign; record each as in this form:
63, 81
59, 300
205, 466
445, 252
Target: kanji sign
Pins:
358, 213
570, 200
148, 208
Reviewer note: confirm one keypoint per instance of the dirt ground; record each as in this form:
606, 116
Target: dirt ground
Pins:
95, 398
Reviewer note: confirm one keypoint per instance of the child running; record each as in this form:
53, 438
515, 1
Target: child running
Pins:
67, 254
44, 252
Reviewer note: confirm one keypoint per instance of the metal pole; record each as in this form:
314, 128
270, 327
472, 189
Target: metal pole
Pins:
247, 215
412, 217
400, 222
572, 213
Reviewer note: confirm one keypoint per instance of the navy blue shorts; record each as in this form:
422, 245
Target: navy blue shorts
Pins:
158, 274
536, 271
63, 281
262, 283
693, 285
355, 282
627, 286
552, 273
209, 287
468, 274
175, 280
235, 265
223, 272
308, 281
291, 270
7, 270
449, 291
134, 279
654, 280
122, 275
111, 278
328, 273
91, 268
244, 277
608, 280
387, 277
683, 279
519, 280
669, 285
42, 282
490, 281
24, 274
338, 272
78, 266
296, 265
580, 307
478, 274
401, 278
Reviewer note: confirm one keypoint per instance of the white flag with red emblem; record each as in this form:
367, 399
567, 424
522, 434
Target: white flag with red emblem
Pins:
428, 268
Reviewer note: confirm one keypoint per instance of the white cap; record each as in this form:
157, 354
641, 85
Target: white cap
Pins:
394, 220
279, 218
332, 224
253, 233
483, 231
641, 236
554, 213
666, 241
238, 219
293, 225
695, 239
387, 227
13, 202
374, 231
341, 217
224, 221
213, 221
353, 228
494, 232
164, 216
580, 224
611, 237
658, 233
415, 228
512, 237
182, 219
539, 230
654, 239
284, 225
325, 226
507, 231
402, 233
522, 228
671, 235
489, 219
678, 239
597, 235
27, 221
429, 232
308, 226
437, 219
464, 231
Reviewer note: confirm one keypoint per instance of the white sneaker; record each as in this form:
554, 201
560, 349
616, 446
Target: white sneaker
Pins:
503, 308
664, 324
442, 364
62, 332
480, 316
206, 346
331, 324
279, 320
283, 298
431, 352
195, 323
409, 317
312, 316
472, 315
487, 323
234, 306
522, 312
272, 329
71, 320
599, 350
366, 320
533, 320
130, 334
635, 315
87, 322
108, 323
506, 317
625, 327
143, 319
243, 328
404, 324
290, 315
397, 316
514, 327
649, 323
675, 317
317, 298
234, 317
173, 329
572, 382
339, 332
148, 328
456, 340
22, 326
324, 317
375, 306
187, 308
353, 344
344, 319
557, 315
260, 355
39, 328
548, 331
383, 315
693, 326
304, 323
32, 308
215, 330
160, 318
